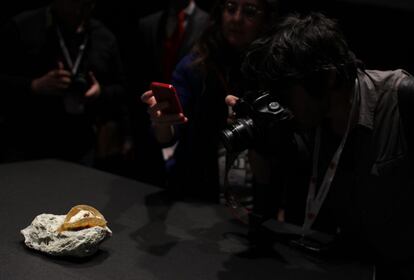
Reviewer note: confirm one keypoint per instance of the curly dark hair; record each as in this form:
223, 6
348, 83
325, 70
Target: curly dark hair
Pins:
301, 49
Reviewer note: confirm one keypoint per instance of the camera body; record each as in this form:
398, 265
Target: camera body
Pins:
79, 85
74, 96
261, 122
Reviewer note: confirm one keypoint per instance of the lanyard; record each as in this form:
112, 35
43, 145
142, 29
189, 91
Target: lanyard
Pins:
315, 200
74, 67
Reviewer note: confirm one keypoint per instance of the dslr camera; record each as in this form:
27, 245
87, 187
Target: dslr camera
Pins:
74, 97
261, 123
79, 85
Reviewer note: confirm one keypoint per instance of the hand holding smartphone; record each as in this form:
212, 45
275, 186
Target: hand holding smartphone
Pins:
166, 93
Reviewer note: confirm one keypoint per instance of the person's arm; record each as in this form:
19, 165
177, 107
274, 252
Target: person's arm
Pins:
53, 82
16, 75
163, 124
166, 127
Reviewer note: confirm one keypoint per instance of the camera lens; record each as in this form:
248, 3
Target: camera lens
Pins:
238, 136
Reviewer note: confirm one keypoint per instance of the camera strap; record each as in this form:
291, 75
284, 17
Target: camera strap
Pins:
73, 66
315, 200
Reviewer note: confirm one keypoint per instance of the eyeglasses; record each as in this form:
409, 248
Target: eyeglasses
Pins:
249, 11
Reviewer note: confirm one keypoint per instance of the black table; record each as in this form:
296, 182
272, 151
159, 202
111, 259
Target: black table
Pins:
153, 238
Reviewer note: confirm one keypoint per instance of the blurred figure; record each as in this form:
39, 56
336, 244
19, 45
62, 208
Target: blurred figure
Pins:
61, 76
203, 79
167, 36
164, 37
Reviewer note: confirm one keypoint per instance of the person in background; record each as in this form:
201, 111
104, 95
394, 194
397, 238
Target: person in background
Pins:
61, 76
163, 38
357, 127
202, 79
167, 36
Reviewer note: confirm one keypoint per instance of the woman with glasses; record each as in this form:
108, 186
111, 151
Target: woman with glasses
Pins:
203, 78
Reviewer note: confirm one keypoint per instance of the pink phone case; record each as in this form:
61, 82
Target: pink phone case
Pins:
167, 93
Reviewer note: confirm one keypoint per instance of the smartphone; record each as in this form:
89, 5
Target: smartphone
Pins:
167, 93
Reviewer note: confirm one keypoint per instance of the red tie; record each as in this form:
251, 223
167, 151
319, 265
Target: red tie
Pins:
172, 45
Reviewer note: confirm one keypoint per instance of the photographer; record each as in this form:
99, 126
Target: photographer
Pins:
60, 73
202, 79
357, 140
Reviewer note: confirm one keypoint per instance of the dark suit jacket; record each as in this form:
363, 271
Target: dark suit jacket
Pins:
152, 33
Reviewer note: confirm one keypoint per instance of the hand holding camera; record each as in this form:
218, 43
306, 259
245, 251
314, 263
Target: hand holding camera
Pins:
82, 88
94, 89
53, 81
260, 123
59, 80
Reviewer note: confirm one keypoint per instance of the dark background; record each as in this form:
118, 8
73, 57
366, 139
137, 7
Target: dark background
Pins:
378, 31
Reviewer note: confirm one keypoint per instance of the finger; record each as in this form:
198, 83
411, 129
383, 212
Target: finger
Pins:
65, 80
89, 93
62, 85
159, 106
60, 65
93, 78
62, 73
170, 119
53, 74
231, 100
155, 111
147, 96
149, 100
183, 118
92, 91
